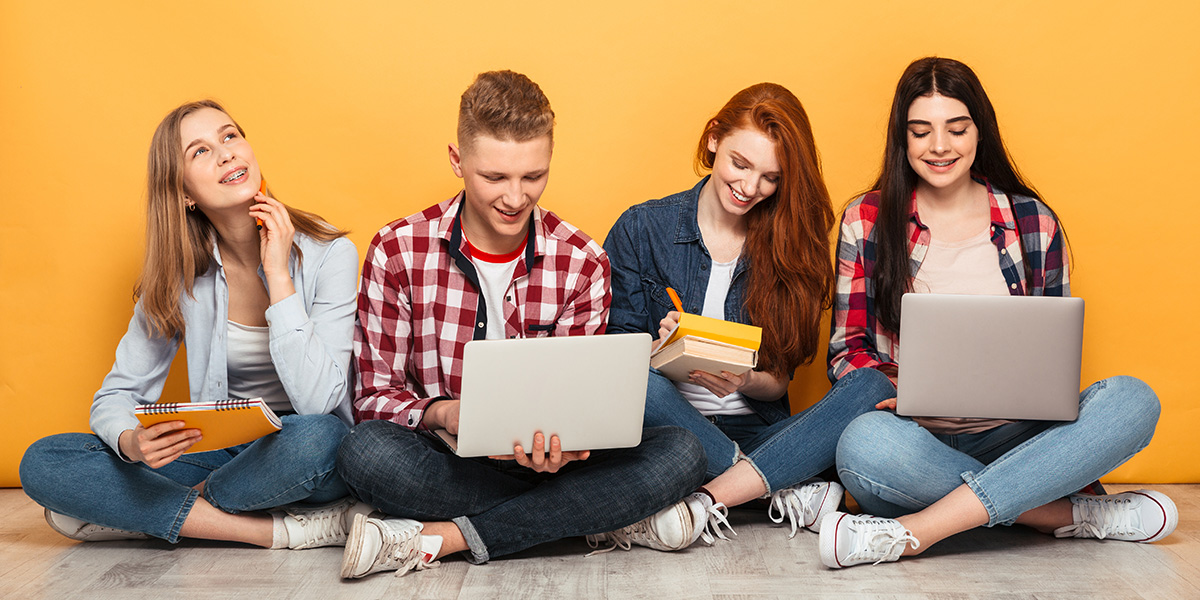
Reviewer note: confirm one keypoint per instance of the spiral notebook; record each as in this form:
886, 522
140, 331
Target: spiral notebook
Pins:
222, 423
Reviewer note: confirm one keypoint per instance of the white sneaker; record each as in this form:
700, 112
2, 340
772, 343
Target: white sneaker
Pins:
1139, 516
388, 545
805, 505
318, 526
83, 531
848, 540
672, 528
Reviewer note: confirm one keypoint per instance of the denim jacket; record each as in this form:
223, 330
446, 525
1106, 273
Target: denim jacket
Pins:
655, 245
310, 334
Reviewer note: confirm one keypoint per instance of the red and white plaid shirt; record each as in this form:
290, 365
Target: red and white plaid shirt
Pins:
419, 305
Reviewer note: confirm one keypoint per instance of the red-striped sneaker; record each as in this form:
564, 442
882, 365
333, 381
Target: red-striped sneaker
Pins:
388, 545
806, 504
848, 540
1139, 516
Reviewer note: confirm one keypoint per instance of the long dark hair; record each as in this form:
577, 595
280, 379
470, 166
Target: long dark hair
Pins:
787, 238
926, 77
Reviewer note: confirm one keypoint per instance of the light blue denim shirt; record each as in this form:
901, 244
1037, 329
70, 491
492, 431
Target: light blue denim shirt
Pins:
310, 335
655, 245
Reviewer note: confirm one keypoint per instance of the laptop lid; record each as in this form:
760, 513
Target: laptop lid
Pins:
589, 390
1003, 357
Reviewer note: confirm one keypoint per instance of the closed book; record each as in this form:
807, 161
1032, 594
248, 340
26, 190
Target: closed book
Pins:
691, 353
222, 423
737, 334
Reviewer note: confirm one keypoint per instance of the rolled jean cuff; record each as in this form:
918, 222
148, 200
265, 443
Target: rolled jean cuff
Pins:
994, 516
761, 475
477, 552
181, 516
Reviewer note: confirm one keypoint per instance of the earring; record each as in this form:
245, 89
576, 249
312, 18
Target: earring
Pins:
191, 208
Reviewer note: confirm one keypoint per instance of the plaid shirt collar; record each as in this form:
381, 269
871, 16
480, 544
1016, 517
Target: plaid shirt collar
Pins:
450, 231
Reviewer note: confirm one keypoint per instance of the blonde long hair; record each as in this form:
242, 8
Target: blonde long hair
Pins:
179, 242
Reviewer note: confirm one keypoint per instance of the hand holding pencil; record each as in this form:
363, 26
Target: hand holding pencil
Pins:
668, 323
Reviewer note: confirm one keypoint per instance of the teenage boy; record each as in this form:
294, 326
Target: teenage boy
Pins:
489, 264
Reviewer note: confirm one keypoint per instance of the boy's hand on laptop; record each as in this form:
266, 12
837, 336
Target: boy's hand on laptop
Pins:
541, 461
667, 325
442, 414
889, 404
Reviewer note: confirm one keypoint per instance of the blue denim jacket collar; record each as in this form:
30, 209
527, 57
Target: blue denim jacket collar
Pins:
688, 228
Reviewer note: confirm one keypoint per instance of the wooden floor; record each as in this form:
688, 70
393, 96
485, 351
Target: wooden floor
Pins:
761, 562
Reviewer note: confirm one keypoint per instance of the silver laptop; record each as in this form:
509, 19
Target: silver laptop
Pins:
1002, 357
589, 390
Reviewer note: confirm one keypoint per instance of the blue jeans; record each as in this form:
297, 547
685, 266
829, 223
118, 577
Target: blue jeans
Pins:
893, 466
501, 507
784, 453
78, 475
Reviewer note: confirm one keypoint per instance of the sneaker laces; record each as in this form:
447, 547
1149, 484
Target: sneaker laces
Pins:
323, 525
879, 539
402, 551
792, 504
621, 538
717, 516
1100, 517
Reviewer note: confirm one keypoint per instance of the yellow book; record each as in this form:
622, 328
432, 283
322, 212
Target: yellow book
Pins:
222, 424
737, 334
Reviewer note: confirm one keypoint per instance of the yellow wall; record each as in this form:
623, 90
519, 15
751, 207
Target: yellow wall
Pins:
350, 106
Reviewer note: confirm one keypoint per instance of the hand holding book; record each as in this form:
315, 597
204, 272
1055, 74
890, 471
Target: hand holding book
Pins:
721, 384
158, 444
691, 342
218, 424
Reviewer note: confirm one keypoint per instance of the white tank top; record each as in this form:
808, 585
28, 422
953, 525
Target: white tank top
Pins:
251, 370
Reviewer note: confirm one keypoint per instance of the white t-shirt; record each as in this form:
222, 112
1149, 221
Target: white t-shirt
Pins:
705, 401
495, 275
251, 370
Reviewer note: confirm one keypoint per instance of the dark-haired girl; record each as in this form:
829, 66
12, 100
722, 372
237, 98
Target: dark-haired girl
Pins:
951, 214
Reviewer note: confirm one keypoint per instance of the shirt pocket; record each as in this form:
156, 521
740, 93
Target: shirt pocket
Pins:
657, 293
533, 329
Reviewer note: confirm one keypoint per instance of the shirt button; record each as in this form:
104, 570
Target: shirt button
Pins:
1003, 251
480, 325
1013, 286
703, 267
